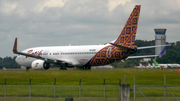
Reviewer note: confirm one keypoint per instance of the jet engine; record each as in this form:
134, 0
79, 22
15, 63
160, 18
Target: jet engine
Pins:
40, 64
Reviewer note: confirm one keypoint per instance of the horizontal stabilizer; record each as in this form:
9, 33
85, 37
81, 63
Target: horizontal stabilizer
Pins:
121, 47
151, 46
144, 56
124, 47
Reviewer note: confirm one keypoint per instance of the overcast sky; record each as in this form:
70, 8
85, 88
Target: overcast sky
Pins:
81, 22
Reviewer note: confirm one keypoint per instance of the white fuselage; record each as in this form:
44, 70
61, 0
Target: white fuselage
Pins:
169, 65
77, 55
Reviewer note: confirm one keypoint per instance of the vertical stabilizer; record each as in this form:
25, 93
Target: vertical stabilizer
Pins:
163, 50
140, 64
128, 34
155, 63
149, 64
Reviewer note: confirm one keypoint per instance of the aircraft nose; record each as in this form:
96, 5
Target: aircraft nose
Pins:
17, 59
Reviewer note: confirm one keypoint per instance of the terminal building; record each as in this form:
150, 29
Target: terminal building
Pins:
160, 39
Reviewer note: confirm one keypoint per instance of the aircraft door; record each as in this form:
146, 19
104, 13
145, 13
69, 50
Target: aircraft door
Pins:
60, 54
109, 52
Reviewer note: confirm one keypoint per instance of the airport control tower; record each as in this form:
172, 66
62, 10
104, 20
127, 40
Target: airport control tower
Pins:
160, 39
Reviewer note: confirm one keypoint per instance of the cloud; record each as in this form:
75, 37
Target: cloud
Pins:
112, 4
61, 22
6, 7
51, 3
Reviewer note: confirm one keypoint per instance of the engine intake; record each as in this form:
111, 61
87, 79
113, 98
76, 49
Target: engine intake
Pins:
40, 64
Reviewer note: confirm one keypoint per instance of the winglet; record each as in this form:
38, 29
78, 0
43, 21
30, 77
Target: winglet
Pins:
15, 46
162, 52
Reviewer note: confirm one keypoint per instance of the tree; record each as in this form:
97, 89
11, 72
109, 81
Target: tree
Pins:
8, 62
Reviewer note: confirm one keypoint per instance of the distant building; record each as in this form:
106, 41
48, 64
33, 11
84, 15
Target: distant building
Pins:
160, 39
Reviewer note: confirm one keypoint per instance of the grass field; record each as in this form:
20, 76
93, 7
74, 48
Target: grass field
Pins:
90, 77
91, 80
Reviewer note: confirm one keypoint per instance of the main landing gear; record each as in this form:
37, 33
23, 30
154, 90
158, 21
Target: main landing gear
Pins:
87, 68
62, 68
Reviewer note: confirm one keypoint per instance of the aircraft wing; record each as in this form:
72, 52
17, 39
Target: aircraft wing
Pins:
143, 56
56, 61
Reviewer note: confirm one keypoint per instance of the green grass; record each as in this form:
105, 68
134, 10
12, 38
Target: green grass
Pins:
92, 81
89, 77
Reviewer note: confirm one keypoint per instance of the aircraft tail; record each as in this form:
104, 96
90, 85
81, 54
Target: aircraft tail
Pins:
140, 64
149, 64
155, 63
163, 51
128, 34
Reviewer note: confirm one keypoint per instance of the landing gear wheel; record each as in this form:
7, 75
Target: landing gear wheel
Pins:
87, 68
62, 68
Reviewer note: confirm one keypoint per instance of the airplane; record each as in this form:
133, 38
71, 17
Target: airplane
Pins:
144, 66
155, 66
149, 66
175, 65
85, 56
102, 67
140, 66
152, 66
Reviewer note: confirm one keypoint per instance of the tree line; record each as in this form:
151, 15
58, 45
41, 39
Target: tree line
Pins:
172, 56
8, 62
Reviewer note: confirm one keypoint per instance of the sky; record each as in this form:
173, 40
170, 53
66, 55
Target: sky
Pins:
81, 22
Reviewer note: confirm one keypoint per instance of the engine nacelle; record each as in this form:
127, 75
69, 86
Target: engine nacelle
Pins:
40, 64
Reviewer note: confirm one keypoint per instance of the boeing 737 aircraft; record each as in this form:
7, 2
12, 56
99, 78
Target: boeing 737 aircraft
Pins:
140, 66
83, 56
174, 65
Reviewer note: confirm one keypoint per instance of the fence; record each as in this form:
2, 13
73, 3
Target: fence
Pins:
88, 92
153, 91
60, 92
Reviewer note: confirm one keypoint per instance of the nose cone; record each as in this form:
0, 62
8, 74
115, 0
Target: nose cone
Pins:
22, 61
